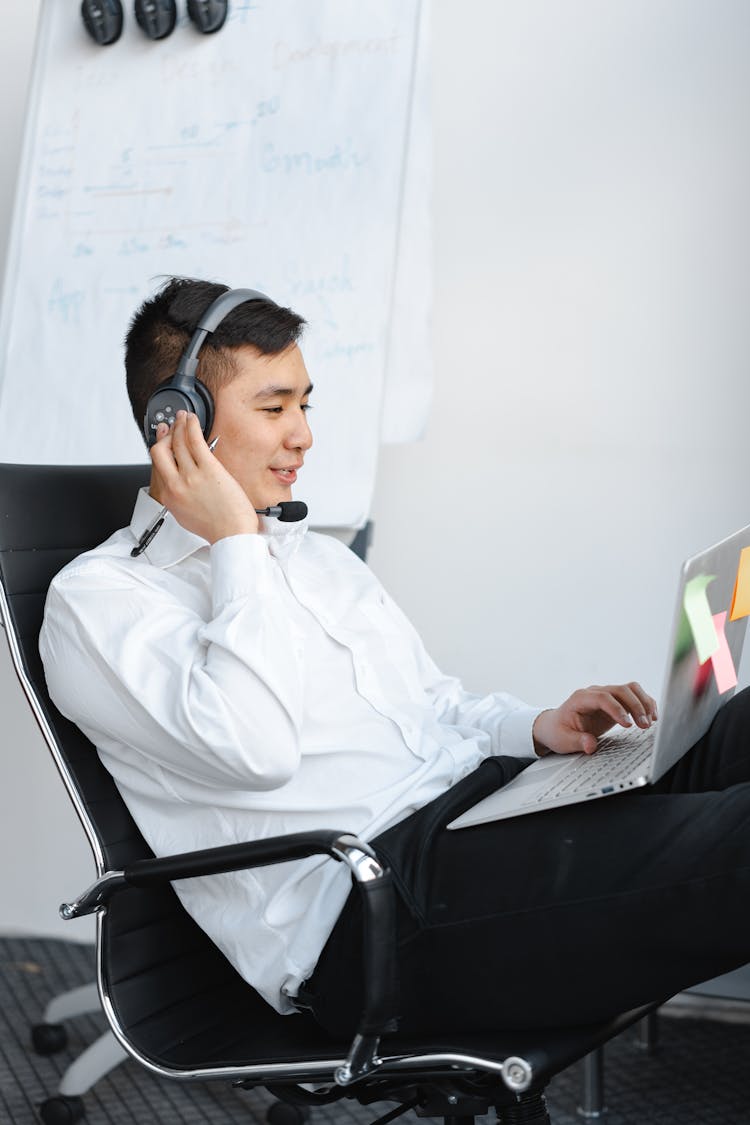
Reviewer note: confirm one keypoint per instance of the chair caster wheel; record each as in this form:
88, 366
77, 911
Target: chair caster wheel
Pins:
48, 1038
61, 1110
282, 1113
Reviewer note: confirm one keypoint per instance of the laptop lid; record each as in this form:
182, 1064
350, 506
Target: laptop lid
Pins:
705, 647
706, 640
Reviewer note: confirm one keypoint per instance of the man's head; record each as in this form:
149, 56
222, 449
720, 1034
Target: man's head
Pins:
251, 365
163, 326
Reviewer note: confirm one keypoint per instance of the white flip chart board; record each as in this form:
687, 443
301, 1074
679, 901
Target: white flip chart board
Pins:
286, 153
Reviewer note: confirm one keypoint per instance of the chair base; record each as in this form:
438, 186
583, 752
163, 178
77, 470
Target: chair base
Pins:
96, 1061
61, 1111
447, 1101
530, 1109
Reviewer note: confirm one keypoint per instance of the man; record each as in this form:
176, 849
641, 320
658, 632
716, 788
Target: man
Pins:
244, 678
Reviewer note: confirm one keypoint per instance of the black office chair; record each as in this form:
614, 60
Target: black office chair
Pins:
186, 1014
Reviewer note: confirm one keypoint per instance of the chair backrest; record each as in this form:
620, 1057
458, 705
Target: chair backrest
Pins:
189, 1006
48, 516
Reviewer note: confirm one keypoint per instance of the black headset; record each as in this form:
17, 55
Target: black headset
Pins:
183, 391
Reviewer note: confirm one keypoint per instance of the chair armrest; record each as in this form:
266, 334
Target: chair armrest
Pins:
215, 861
378, 907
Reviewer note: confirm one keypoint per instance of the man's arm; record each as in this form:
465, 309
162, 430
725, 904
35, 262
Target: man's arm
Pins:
504, 718
212, 694
520, 730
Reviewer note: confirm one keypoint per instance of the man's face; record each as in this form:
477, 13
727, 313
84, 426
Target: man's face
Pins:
261, 423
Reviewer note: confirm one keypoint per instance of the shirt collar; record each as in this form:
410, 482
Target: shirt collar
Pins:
173, 543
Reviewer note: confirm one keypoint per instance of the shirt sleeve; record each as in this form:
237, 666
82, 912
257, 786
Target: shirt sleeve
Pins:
506, 719
216, 701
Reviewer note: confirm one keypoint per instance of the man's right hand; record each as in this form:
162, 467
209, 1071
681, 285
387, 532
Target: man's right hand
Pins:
193, 484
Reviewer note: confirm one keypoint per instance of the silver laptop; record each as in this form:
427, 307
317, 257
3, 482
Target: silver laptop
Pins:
714, 583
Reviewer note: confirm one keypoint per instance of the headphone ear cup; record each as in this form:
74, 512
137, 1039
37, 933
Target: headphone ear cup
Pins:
167, 399
206, 414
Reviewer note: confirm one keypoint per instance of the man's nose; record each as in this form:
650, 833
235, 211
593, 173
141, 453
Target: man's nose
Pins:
300, 435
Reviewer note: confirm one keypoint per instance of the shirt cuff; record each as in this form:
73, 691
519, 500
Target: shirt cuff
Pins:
240, 567
516, 738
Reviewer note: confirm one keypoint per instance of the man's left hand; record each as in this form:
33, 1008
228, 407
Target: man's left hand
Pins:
575, 726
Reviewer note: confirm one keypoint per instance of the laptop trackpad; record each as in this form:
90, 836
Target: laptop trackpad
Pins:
516, 794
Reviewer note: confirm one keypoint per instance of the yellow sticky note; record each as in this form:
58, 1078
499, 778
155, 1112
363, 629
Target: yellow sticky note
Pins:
698, 611
740, 606
724, 669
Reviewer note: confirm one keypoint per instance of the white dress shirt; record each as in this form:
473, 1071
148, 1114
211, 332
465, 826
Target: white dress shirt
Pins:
263, 685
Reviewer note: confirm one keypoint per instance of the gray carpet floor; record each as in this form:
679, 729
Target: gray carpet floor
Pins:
700, 1074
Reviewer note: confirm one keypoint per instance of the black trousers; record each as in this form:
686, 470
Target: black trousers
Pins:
566, 916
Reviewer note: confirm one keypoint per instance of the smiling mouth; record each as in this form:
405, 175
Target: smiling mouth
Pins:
288, 475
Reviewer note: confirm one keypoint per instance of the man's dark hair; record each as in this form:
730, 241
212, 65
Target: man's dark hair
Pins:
163, 326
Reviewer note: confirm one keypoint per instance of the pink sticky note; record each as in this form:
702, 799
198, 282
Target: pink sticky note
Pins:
724, 670
703, 673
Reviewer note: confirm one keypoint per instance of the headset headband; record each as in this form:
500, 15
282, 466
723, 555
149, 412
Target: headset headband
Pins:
208, 323
184, 391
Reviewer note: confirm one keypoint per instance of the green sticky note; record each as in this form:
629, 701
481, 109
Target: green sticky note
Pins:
698, 611
683, 643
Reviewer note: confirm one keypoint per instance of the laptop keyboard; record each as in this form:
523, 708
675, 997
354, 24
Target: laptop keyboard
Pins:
615, 760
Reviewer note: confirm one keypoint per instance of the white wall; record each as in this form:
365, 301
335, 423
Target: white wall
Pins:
16, 51
592, 244
44, 854
589, 425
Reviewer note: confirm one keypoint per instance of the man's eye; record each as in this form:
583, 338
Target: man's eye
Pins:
280, 409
